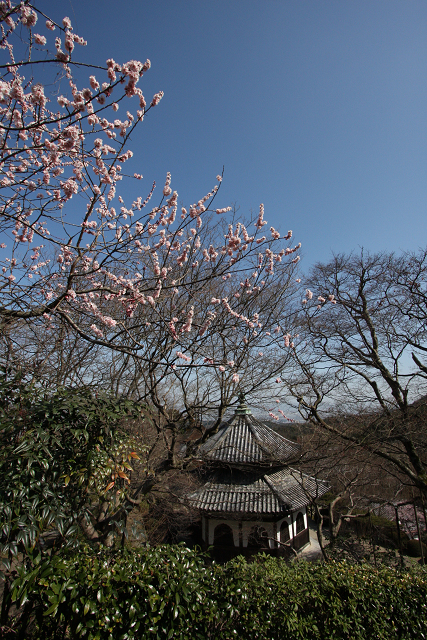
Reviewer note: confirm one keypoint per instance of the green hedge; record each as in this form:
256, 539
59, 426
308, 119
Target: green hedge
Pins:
170, 592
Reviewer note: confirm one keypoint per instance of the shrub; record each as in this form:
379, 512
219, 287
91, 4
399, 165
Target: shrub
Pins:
170, 592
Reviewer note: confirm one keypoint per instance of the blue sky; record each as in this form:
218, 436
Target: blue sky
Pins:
317, 109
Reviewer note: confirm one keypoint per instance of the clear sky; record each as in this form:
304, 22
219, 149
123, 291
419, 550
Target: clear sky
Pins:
316, 108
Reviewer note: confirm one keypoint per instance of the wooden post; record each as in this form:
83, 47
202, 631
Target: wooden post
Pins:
418, 531
399, 537
424, 511
372, 539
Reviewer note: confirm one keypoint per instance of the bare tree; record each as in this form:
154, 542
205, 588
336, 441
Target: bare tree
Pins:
357, 370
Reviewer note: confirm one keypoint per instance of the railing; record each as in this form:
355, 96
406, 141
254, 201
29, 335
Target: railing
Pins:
301, 539
224, 553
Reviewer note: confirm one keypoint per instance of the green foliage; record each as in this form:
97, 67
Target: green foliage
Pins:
170, 592
59, 452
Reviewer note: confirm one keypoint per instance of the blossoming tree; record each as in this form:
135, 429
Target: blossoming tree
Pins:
76, 254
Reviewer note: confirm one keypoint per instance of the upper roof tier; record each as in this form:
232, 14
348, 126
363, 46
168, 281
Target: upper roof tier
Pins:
244, 441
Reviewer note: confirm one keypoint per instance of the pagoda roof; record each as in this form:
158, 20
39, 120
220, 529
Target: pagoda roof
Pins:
245, 441
233, 491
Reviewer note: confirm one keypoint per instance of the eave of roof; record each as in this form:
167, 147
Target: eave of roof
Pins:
237, 492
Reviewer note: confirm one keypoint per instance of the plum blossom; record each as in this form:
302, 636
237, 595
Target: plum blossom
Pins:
96, 330
156, 98
260, 222
183, 356
38, 39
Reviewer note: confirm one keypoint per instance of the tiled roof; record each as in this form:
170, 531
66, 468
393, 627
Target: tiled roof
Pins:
246, 441
235, 491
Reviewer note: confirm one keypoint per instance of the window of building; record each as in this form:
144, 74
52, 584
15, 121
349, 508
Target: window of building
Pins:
300, 522
223, 536
284, 532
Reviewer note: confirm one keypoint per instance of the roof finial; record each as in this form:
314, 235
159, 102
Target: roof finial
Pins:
242, 409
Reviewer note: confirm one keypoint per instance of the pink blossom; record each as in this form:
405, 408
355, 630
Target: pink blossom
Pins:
183, 356
221, 368
188, 324
50, 25
156, 98
28, 17
94, 83
69, 42
61, 56
260, 222
71, 294
67, 23
39, 39
235, 378
96, 331
109, 322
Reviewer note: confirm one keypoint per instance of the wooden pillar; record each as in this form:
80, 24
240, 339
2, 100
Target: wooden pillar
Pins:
399, 537
275, 535
418, 530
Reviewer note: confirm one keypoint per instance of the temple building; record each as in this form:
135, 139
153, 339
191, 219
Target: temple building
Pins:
252, 499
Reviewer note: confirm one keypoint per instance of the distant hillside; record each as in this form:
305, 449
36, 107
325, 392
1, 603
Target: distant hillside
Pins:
290, 430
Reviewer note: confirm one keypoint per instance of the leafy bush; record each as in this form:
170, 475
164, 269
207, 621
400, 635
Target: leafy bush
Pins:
61, 454
170, 592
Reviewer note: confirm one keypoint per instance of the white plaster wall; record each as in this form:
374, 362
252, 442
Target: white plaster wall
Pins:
210, 524
303, 510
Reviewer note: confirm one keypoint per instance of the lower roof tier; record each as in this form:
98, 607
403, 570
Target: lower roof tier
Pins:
232, 491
